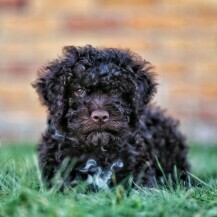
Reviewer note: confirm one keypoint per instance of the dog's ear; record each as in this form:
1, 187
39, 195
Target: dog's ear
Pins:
145, 81
50, 87
51, 84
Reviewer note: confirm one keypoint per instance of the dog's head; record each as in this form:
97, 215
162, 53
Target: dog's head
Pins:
96, 94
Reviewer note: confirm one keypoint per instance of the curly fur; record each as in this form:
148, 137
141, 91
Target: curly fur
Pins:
137, 133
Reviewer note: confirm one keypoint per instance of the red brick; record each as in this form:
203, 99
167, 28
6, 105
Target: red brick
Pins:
12, 4
16, 69
200, 92
82, 23
172, 68
129, 2
207, 114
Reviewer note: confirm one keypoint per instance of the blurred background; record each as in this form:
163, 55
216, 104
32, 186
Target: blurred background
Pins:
179, 37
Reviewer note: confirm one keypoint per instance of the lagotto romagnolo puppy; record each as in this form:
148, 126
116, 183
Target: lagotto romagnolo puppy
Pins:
100, 123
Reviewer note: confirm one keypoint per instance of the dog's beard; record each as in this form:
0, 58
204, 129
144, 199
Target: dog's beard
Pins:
93, 135
102, 139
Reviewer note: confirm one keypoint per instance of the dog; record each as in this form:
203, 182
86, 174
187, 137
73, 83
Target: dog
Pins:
101, 124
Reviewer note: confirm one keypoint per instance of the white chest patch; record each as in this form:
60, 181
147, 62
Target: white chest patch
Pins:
100, 178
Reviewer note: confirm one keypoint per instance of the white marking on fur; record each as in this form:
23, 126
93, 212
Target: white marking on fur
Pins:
101, 178
89, 164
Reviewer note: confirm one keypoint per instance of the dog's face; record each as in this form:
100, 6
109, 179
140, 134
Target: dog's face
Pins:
99, 106
96, 95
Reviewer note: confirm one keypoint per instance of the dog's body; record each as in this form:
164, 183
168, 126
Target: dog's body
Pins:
100, 120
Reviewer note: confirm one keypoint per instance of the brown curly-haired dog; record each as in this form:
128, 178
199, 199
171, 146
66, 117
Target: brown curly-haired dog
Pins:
99, 119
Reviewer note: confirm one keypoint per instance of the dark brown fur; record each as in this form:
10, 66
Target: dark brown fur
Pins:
138, 134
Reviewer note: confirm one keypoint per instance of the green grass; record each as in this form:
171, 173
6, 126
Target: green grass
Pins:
22, 192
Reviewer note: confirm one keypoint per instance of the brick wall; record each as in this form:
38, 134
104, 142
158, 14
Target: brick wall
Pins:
178, 37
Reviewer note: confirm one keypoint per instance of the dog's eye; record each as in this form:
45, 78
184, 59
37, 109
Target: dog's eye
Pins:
79, 92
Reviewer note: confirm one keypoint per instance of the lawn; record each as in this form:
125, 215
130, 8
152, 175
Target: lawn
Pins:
22, 192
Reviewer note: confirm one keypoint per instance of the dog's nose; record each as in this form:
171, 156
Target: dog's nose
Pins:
100, 116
